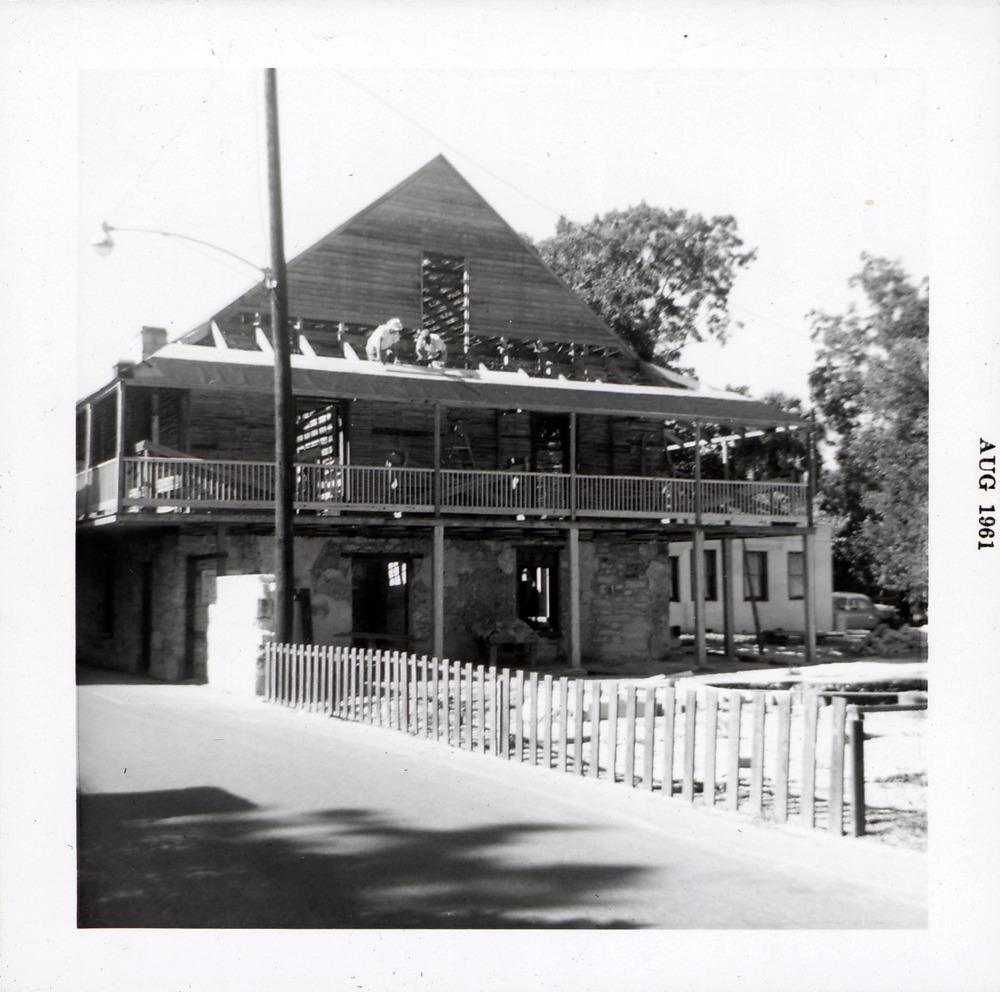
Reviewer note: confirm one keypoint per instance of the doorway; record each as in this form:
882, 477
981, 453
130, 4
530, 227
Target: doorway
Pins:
380, 602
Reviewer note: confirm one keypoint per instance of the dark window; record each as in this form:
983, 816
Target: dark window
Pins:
755, 575
675, 579
711, 576
796, 575
538, 589
104, 430
380, 601
549, 442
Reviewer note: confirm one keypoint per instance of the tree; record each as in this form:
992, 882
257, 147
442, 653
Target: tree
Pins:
657, 277
870, 384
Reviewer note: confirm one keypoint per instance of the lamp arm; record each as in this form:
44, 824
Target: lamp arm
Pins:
108, 228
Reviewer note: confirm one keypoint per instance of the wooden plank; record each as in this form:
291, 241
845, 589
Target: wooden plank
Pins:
426, 694
669, 718
532, 731
546, 755
517, 696
711, 743
595, 728
562, 742
810, 707
690, 726
504, 721
759, 711
648, 736
782, 757
578, 711
404, 694
481, 706
630, 716
469, 708
838, 730
446, 699
456, 681
435, 698
733, 766
352, 663
612, 731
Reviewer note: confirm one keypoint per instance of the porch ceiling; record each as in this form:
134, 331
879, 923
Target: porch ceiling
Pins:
185, 366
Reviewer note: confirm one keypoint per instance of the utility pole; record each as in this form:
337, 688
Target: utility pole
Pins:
284, 413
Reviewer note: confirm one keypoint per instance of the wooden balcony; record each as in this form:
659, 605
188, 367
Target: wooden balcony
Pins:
176, 485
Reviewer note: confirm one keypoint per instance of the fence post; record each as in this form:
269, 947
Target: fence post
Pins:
757, 754
649, 731
470, 699
547, 717
563, 723
733, 769
781, 771
669, 718
517, 690
532, 734
711, 733
839, 717
456, 678
578, 691
504, 720
630, 714
595, 728
856, 725
690, 726
612, 732
481, 706
810, 706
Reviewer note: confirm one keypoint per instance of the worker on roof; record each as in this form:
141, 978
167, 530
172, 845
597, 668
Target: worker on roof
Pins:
383, 340
431, 349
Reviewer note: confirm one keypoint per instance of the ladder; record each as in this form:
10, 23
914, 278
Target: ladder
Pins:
460, 448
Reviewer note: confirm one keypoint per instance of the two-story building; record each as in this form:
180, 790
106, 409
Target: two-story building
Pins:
535, 470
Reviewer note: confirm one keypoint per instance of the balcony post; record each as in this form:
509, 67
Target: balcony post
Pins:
572, 465
120, 446
809, 594
698, 569
728, 598
573, 546
437, 595
437, 458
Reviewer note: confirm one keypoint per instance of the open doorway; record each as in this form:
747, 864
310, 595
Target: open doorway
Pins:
538, 589
380, 603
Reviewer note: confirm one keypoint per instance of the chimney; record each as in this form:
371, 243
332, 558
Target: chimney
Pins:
153, 339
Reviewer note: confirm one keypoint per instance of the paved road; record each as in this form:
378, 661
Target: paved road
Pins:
201, 810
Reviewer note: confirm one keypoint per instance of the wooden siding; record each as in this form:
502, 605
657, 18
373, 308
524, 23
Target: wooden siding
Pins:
231, 425
369, 269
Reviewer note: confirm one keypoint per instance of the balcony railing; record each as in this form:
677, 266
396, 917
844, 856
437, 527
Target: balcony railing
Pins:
157, 484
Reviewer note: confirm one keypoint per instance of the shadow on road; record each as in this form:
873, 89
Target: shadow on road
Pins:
202, 857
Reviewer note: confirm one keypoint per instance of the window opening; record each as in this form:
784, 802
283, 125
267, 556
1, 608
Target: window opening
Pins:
538, 589
796, 575
444, 300
711, 575
549, 442
755, 575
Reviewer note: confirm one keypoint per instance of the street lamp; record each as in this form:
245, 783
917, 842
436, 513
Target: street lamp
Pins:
275, 281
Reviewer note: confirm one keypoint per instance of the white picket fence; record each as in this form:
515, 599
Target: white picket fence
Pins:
772, 754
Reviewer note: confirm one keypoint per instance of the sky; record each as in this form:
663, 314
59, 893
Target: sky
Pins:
817, 165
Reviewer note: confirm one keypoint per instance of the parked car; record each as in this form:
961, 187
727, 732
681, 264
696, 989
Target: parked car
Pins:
856, 611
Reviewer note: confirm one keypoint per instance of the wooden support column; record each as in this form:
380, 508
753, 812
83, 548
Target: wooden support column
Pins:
572, 464
809, 594
573, 545
437, 586
437, 458
88, 452
698, 567
120, 445
698, 595
728, 597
